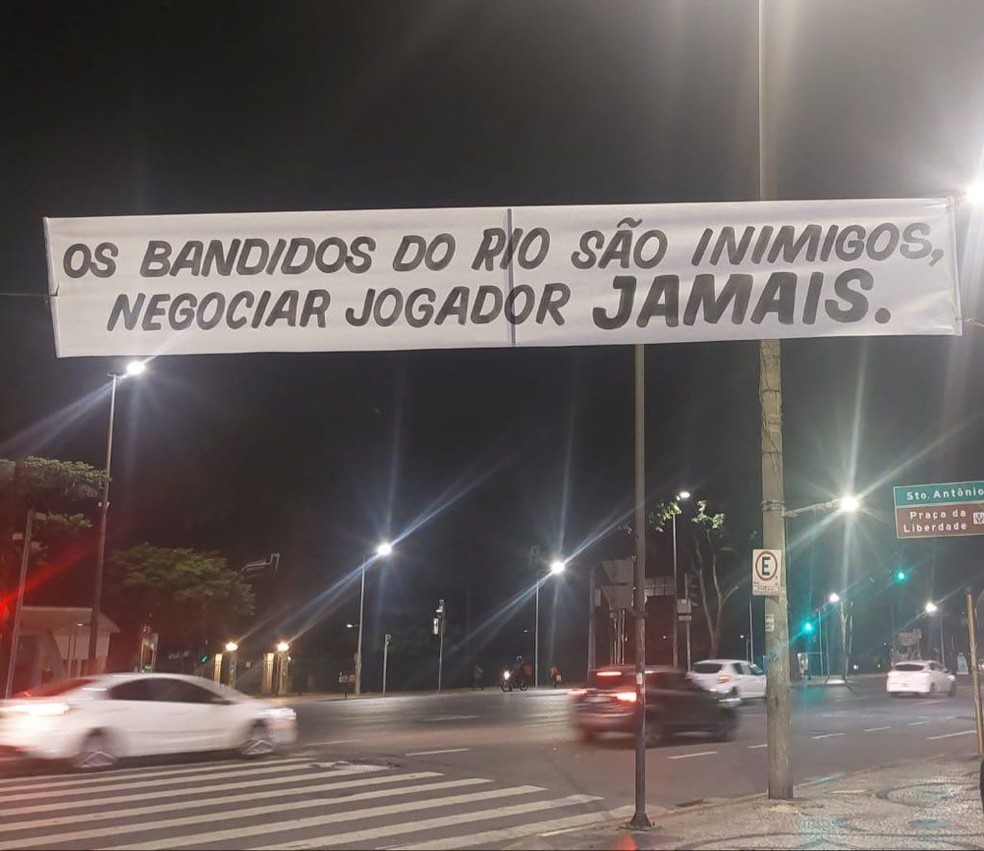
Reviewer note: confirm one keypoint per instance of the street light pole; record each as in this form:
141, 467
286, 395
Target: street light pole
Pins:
536, 638
101, 546
362, 617
19, 604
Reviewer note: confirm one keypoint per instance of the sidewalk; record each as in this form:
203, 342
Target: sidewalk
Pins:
918, 804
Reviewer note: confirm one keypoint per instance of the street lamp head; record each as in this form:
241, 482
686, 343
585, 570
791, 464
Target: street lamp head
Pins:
136, 367
834, 598
384, 549
683, 495
282, 647
975, 193
849, 503
557, 566
231, 647
931, 607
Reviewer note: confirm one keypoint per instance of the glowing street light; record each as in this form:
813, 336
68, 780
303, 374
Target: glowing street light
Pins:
133, 368
383, 550
231, 647
282, 647
683, 495
557, 566
931, 608
849, 503
834, 598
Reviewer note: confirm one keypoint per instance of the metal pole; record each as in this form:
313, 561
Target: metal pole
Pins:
101, 546
386, 647
19, 604
362, 612
751, 633
440, 658
975, 674
676, 593
942, 651
688, 646
640, 819
592, 639
536, 639
778, 704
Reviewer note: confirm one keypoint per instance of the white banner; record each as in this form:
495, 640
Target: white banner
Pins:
484, 277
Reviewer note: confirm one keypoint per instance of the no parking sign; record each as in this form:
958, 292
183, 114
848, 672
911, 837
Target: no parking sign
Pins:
766, 572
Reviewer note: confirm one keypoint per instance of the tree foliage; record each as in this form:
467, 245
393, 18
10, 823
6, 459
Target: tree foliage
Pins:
54, 488
180, 591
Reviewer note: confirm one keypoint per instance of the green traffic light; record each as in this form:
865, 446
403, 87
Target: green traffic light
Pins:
901, 576
808, 626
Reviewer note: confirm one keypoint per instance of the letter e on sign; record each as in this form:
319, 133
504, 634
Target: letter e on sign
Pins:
766, 572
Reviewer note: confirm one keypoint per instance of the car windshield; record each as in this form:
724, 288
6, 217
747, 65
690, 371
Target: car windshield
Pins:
707, 667
52, 689
910, 666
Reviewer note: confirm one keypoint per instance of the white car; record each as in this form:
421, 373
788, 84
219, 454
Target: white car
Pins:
917, 676
732, 677
92, 722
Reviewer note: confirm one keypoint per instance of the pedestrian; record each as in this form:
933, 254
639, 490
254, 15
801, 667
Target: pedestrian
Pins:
555, 676
477, 674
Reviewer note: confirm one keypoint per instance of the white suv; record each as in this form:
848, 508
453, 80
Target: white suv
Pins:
732, 677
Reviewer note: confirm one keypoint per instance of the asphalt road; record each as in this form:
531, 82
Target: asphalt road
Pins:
461, 770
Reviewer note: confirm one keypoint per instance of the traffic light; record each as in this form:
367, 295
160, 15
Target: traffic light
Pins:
901, 575
203, 658
808, 627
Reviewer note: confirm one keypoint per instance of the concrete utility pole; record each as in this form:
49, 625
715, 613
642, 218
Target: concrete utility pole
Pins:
778, 704
639, 818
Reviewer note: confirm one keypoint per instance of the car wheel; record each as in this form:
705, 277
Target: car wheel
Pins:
735, 694
725, 730
96, 753
932, 689
258, 742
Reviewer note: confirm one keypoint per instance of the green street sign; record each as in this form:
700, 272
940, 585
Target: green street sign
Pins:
945, 493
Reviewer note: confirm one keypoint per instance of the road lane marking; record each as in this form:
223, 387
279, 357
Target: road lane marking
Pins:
827, 735
692, 755
539, 828
753, 747
432, 753
213, 816
47, 782
876, 729
113, 800
347, 839
371, 813
916, 723
950, 735
238, 770
222, 801
332, 742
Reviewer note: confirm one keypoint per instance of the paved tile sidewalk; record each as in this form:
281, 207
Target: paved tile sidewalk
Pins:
914, 805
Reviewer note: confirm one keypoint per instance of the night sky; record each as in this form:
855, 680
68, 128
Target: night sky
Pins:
184, 108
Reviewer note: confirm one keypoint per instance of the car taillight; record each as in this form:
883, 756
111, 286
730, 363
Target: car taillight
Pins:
626, 696
39, 710
724, 678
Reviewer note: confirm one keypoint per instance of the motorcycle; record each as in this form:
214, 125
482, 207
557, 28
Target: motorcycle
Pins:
510, 683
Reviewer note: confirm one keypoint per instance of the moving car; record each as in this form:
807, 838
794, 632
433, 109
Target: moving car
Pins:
673, 705
92, 722
918, 676
734, 677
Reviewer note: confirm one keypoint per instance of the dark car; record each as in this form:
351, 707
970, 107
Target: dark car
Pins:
674, 705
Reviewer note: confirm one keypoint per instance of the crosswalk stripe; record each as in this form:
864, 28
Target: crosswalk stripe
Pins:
266, 794
241, 833
166, 779
237, 814
374, 833
113, 800
469, 840
53, 781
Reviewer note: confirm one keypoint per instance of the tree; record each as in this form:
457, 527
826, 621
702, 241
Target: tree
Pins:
51, 487
709, 546
180, 591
